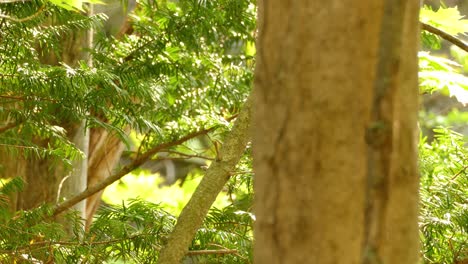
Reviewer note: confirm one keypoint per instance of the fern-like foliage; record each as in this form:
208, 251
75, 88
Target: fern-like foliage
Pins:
187, 65
132, 232
182, 68
444, 196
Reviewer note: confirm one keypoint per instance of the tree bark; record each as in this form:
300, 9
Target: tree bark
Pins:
193, 214
104, 154
76, 181
317, 199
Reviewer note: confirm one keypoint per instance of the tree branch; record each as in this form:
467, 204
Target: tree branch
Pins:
13, 1
216, 176
41, 244
211, 252
7, 127
450, 38
186, 156
24, 19
26, 98
124, 171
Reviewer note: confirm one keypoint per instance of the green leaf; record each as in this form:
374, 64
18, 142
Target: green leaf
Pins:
447, 19
74, 5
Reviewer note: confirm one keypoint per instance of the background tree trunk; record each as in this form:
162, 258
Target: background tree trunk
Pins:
45, 178
77, 180
314, 101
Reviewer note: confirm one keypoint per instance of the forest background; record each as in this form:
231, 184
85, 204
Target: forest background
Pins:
151, 91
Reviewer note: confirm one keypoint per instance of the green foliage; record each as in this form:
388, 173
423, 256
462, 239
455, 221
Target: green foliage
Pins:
227, 228
132, 232
443, 160
153, 189
438, 73
187, 65
443, 75
447, 19
76, 5
444, 193
460, 56
183, 68
7, 189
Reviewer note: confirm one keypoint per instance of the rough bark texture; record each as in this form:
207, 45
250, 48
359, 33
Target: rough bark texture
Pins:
314, 95
400, 241
193, 214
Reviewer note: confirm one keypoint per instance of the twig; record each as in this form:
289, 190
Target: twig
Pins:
24, 19
7, 127
13, 1
124, 171
17, 146
211, 252
40, 244
458, 173
450, 38
187, 156
25, 98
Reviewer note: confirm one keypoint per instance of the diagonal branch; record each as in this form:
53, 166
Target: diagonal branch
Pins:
26, 98
124, 171
24, 19
8, 127
450, 38
193, 214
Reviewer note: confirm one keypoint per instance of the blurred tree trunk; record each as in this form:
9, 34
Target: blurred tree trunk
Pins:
335, 138
48, 180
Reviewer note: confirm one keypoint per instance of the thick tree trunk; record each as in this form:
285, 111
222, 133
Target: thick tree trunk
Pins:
317, 198
44, 177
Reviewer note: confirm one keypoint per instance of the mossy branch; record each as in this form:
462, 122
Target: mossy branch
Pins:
216, 176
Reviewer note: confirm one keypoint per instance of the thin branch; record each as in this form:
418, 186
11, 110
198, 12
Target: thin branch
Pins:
25, 98
24, 19
40, 244
187, 156
450, 38
458, 173
13, 1
46, 244
212, 252
18, 146
7, 127
124, 171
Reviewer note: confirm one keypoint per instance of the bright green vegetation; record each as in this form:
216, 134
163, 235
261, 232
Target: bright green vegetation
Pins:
188, 66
